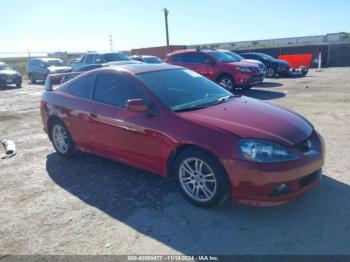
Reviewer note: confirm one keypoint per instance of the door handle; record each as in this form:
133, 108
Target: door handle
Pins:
93, 115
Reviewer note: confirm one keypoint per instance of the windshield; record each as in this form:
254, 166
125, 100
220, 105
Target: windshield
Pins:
152, 60
267, 57
183, 89
234, 55
4, 67
54, 63
223, 57
116, 57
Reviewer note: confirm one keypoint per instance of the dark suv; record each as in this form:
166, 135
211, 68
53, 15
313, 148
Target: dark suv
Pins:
219, 67
273, 66
98, 58
40, 68
9, 76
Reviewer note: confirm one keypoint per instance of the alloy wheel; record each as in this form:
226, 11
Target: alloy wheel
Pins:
197, 179
60, 138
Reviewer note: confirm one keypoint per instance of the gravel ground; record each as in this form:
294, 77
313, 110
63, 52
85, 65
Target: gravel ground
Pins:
90, 205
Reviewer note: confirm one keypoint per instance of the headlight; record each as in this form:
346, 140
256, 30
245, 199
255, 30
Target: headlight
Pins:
264, 152
243, 69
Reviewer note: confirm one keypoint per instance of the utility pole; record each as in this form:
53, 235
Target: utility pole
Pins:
166, 12
111, 42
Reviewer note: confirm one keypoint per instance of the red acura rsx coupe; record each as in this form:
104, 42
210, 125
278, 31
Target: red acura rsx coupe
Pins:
170, 120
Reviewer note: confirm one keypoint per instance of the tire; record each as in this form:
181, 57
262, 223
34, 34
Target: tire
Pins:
32, 79
61, 139
19, 84
227, 82
270, 72
192, 183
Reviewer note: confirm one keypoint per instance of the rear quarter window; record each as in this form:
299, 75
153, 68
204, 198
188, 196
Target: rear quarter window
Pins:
82, 87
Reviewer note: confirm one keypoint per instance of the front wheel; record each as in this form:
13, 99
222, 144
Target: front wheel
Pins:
227, 82
201, 178
19, 84
270, 72
32, 79
61, 139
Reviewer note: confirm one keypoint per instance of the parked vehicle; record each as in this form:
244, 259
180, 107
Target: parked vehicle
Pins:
67, 77
242, 59
40, 68
273, 66
8, 76
219, 67
149, 59
71, 61
172, 121
98, 58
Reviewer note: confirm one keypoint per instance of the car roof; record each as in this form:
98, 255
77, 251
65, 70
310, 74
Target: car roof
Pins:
204, 50
104, 53
252, 53
144, 56
46, 59
142, 68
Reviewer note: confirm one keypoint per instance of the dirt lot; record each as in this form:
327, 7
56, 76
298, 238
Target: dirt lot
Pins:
91, 205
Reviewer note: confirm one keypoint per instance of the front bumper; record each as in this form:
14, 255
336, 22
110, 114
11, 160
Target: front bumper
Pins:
257, 184
8, 80
248, 79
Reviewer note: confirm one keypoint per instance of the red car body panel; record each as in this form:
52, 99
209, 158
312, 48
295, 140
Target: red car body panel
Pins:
148, 141
213, 72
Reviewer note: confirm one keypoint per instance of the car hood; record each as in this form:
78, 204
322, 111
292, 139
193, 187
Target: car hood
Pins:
59, 68
252, 61
8, 72
243, 64
251, 118
281, 62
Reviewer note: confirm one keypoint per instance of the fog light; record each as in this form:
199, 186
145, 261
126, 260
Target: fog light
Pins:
281, 189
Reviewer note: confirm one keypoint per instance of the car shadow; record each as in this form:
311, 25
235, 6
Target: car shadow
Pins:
263, 94
318, 223
268, 85
9, 87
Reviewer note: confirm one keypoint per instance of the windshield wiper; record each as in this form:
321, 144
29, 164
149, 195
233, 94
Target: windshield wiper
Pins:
216, 102
223, 99
191, 108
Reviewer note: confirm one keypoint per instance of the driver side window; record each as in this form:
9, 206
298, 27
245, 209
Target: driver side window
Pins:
114, 89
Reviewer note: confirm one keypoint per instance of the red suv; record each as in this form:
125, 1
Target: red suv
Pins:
219, 67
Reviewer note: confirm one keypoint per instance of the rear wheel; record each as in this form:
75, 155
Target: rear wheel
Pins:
61, 139
201, 178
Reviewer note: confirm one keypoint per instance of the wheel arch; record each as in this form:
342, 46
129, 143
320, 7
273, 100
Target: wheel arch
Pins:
181, 148
50, 121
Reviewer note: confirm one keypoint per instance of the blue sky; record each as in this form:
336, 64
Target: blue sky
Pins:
80, 25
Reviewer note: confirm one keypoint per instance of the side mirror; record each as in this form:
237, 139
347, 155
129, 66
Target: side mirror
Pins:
137, 105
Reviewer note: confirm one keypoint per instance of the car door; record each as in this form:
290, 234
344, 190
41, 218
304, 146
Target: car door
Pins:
78, 114
42, 70
118, 133
202, 65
